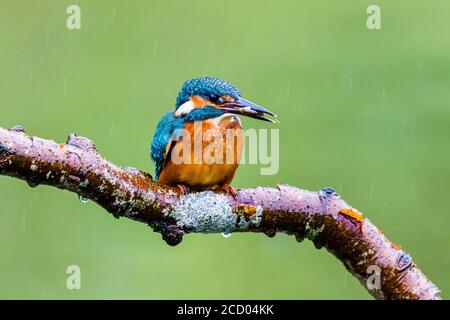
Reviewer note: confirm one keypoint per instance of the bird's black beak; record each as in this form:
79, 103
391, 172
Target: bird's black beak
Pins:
249, 109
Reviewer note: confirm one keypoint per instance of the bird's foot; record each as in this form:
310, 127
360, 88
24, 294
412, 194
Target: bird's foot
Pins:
184, 189
228, 189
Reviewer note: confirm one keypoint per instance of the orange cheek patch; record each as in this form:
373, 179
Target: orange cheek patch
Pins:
199, 102
228, 98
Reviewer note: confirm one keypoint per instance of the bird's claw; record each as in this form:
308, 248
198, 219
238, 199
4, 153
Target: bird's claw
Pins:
184, 189
229, 189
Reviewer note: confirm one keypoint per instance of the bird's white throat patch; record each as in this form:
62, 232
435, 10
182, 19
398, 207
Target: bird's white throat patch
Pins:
184, 109
217, 120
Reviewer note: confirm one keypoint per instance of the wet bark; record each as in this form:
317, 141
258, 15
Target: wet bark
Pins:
320, 216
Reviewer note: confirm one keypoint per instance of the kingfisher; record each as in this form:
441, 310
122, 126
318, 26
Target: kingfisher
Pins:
191, 147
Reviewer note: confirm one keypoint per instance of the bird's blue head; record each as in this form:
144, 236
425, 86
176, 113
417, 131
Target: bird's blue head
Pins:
215, 97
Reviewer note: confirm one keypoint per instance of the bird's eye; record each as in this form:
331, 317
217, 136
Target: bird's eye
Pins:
213, 97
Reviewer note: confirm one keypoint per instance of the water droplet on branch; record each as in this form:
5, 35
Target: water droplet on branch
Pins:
226, 234
83, 199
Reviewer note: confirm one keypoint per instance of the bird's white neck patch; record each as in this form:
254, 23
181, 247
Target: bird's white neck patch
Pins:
184, 109
217, 120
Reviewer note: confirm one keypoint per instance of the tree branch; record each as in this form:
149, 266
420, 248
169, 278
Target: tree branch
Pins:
322, 217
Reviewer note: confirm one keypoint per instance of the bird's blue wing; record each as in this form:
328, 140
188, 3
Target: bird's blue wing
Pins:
163, 136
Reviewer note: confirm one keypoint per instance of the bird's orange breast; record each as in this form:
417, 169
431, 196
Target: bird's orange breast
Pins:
207, 155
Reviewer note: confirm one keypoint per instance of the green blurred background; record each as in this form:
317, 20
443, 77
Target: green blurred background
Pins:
366, 112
